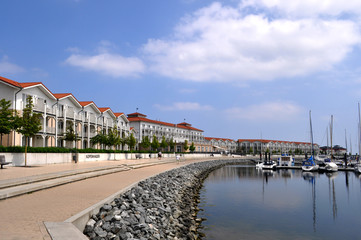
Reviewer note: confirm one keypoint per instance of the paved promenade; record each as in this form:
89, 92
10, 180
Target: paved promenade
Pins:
22, 217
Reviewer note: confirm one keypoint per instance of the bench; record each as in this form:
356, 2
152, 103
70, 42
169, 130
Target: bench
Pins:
2, 161
138, 156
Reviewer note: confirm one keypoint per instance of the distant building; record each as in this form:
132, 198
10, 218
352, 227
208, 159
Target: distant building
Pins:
337, 150
221, 144
256, 146
178, 132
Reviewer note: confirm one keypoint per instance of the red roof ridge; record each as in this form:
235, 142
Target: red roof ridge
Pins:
11, 82
118, 114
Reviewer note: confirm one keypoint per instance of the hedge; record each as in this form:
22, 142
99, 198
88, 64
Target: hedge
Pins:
18, 149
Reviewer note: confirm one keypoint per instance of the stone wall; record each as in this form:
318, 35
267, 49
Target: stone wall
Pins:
160, 207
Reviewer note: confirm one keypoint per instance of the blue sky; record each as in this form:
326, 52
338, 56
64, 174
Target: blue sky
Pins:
235, 69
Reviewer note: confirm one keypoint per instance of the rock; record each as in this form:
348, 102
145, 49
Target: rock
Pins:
107, 207
91, 223
161, 207
100, 232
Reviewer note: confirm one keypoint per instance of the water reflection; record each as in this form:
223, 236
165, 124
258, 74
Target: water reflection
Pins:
311, 178
241, 202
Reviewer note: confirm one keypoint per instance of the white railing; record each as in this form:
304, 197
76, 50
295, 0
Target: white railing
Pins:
39, 106
50, 130
70, 114
50, 110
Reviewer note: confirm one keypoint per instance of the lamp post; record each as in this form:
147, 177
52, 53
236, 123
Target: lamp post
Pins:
75, 157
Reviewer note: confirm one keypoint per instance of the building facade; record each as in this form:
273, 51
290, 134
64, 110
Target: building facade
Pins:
62, 112
59, 112
256, 146
181, 132
224, 145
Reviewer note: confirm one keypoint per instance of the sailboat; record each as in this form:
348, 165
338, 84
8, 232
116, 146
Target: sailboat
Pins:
309, 164
331, 166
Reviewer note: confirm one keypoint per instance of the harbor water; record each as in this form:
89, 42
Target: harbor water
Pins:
242, 202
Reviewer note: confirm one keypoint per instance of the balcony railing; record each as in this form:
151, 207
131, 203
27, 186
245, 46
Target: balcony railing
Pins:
70, 114
50, 130
50, 110
39, 106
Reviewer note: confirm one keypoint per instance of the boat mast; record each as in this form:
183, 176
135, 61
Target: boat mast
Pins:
331, 130
327, 140
346, 139
359, 130
312, 151
350, 145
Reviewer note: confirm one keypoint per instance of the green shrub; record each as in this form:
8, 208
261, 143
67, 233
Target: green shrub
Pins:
18, 149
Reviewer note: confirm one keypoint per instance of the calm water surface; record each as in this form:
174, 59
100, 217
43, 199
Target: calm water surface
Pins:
242, 202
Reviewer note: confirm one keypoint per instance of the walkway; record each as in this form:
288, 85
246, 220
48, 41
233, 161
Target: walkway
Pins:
22, 217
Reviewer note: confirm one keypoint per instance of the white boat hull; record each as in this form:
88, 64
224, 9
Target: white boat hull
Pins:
358, 168
273, 166
331, 167
310, 168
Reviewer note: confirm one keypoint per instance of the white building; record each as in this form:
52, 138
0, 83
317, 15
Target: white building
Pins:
221, 144
179, 132
275, 146
59, 112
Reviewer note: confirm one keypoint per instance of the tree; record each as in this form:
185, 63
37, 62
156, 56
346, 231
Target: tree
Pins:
192, 147
164, 143
185, 146
131, 141
7, 119
171, 144
29, 123
113, 138
155, 143
100, 138
145, 144
70, 134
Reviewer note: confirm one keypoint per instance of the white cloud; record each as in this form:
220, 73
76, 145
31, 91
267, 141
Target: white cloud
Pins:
7, 67
302, 8
113, 65
184, 106
269, 111
220, 43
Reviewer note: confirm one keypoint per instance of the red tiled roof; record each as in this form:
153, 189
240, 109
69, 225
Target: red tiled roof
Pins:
85, 103
136, 114
223, 139
11, 82
30, 84
104, 109
118, 114
143, 119
267, 141
61, 95
189, 127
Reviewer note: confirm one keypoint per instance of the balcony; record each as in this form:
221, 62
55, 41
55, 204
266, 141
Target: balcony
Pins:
39, 106
91, 134
70, 113
50, 130
50, 110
